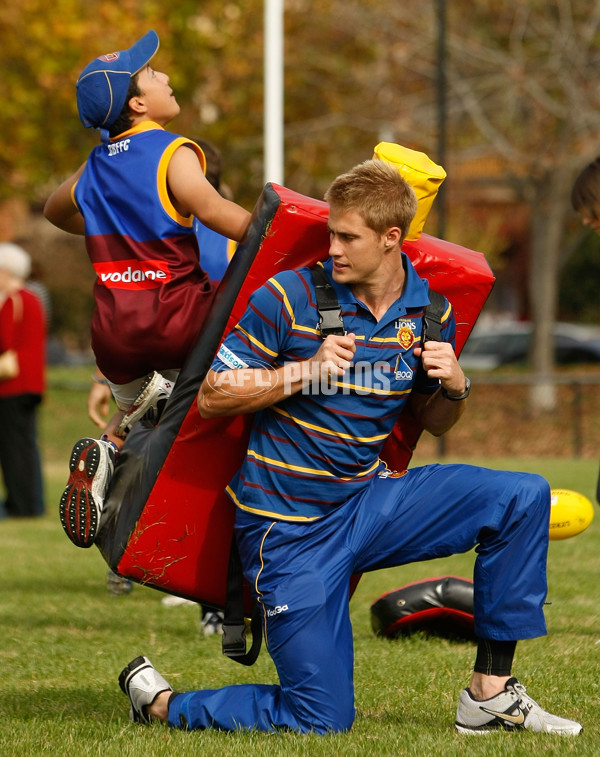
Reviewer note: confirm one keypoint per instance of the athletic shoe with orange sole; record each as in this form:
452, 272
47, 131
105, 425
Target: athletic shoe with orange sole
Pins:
91, 464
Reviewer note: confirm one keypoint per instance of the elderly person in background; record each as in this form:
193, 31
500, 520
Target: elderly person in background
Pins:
22, 384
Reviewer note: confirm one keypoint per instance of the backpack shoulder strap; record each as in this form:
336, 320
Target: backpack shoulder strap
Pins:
234, 624
432, 320
330, 312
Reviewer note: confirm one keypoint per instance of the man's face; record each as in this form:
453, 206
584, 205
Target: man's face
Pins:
356, 250
157, 95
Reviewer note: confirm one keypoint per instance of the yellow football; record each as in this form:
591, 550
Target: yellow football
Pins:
570, 513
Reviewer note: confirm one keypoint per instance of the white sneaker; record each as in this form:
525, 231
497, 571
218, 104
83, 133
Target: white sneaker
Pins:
149, 403
510, 710
171, 600
92, 464
142, 683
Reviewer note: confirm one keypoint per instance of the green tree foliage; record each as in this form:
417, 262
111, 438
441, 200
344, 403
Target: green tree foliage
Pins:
343, 79
524, 79
521, 93
43, 49
521, 82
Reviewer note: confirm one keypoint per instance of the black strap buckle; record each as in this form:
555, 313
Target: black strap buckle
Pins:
234, 638
432, 321
330, 312
331, 322
233, 642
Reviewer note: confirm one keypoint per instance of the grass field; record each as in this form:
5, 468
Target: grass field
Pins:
65, 639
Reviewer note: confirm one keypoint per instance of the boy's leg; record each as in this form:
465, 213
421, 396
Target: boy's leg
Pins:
92, 460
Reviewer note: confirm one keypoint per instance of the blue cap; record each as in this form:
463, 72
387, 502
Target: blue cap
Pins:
102, 85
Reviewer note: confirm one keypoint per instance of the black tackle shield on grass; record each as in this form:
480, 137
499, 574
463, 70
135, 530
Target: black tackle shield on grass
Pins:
437, 606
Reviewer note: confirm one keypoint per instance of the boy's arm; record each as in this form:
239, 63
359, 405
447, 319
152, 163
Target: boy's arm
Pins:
60, 208
194, 195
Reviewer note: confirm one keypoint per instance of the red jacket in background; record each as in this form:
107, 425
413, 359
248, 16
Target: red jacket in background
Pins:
23, 328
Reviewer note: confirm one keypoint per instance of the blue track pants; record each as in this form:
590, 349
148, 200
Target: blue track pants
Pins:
301, 572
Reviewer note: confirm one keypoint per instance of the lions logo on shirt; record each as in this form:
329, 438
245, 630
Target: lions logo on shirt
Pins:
406, 334
406, 339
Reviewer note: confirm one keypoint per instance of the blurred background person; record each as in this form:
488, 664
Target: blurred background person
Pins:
215, 250
585, 199
23, 336
585, 195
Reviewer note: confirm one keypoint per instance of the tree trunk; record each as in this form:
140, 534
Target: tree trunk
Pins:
550, 209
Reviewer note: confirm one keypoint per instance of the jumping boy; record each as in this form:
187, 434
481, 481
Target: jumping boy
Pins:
135, 199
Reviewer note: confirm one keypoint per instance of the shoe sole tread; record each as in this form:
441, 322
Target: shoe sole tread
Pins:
78, 509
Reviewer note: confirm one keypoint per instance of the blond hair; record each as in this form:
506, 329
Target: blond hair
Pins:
377, 191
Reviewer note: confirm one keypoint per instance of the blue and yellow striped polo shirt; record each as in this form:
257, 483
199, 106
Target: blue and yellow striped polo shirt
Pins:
315, 449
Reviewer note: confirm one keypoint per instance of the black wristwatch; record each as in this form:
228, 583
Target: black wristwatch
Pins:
459, 397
